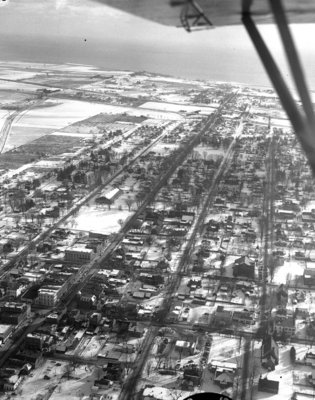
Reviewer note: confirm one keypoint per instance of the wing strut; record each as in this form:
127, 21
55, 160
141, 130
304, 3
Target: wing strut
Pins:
302, 122
192, 16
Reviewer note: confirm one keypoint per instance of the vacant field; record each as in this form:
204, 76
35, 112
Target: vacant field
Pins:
30, 152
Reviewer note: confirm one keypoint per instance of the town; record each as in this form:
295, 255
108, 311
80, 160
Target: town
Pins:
157, 239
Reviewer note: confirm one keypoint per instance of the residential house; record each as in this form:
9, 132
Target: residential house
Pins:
286, 326
223, 378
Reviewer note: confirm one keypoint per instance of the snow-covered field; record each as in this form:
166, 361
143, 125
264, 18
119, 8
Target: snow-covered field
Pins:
281, 122
293, 267
176, 107
99, 220
15, 74
64, 382
283, 374
3, 115
224, 348
208, 153
62, 113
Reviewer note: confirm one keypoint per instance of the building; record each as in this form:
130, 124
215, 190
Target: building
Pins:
15, 289
10, 383
243, 317
5, 332
48, 295
184, 347
37, 341
309, 277
268, 386
108, 197
244, 267
285, 214
79, 254
14, 313
223, 378
222, 317
215, 365
286, 326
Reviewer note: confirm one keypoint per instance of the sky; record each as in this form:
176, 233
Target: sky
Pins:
88, 32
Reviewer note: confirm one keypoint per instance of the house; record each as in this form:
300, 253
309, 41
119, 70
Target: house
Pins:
223, 378
108, 197
10, 383
243, 317
215, 365
184, 347
244, 267
286, 326
309, 277
222, 317
136, 330
285, 214
268, 386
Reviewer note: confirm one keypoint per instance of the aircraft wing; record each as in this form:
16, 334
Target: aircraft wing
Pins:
219, 12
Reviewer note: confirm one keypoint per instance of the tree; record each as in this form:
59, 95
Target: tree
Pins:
129, 202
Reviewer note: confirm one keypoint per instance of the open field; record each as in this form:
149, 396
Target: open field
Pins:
49, 144
173, 107
63, 382
98, 219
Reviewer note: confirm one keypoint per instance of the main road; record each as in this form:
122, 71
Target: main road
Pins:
130, 384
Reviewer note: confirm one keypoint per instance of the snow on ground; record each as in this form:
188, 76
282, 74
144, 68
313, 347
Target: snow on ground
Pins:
93, 347
176, 107
64, 382
164, 148
20, 135
283, 374
209, 386
208, 153
20, 86
3, 115
15, 74
197, 312
224, 348
99, 220
281, 122
78, 135
174, 97
66, 112
293, 267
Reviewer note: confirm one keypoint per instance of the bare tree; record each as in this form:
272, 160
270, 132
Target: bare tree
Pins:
129, 202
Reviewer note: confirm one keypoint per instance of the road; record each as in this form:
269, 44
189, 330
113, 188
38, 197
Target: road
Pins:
130, 384
5, 130
75, 208
267, 237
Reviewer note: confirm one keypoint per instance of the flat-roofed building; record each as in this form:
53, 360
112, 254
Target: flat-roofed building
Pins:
79, 254
49, 295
